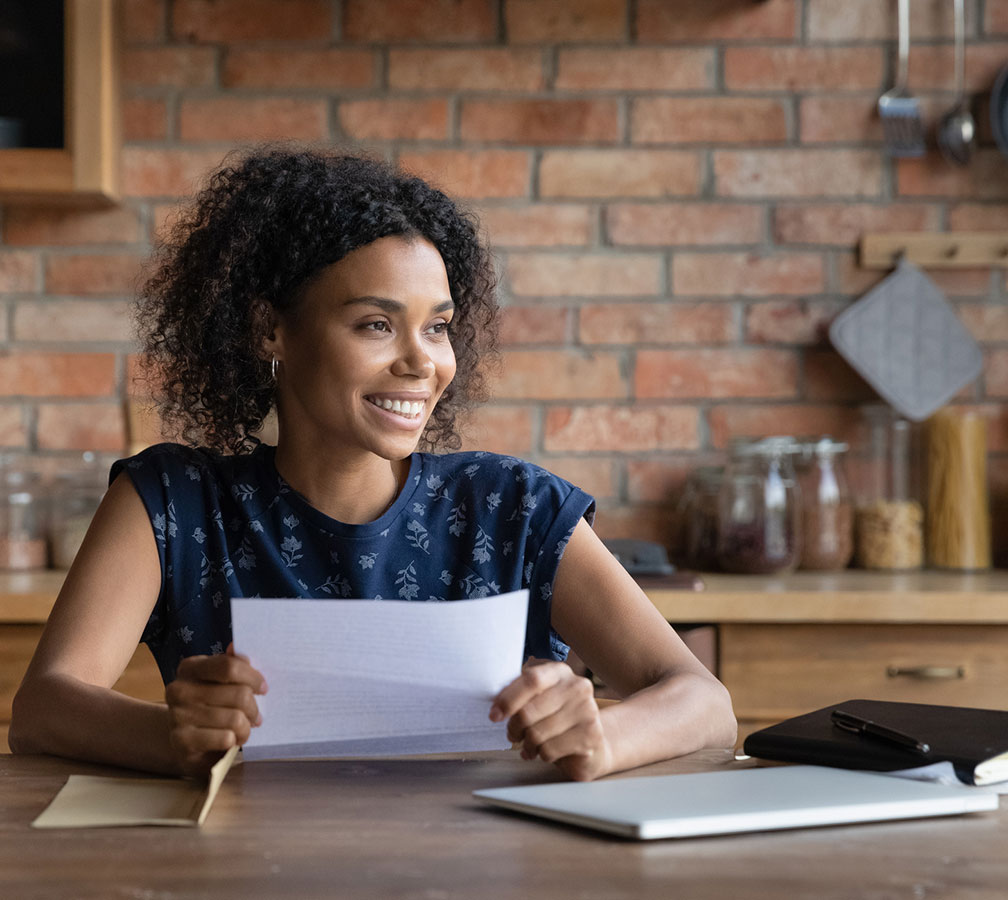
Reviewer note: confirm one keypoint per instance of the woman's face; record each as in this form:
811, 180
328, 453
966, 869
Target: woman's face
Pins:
365, 356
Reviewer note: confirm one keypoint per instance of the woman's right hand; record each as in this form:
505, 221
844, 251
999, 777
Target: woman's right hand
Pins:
212, 708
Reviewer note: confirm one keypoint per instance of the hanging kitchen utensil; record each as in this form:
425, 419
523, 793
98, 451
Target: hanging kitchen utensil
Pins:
907, 343
956, 133
899, 110
999, 110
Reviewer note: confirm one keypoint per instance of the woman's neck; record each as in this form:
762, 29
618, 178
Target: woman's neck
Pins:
351, 491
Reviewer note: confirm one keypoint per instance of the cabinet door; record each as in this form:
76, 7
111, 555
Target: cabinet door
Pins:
777, 671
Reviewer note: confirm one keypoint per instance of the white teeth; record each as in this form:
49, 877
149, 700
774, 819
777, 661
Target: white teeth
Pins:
386, 404
396, 406
402, 407
415, 408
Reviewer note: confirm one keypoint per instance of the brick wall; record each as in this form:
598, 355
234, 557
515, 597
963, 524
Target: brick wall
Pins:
675, 190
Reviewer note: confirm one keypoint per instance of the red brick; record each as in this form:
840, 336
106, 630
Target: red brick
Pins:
18, 271
565, 21
499, 429
473, 173
440, 21
81, 426
684, 224
790, 321
656, 323
835, 119
986, 178
534, 325
996, 373
329, 69
619, 173
542, 121
657, 480
144, 119
861, 20
388, 119
560, 375
593, 474
803, 68
709, 374
458, 69
707, 120
932, 68
708, 21
746, 274
977, 217
111, 273
35, 225
843, 224
798, 173
622, 429
988, 323
174, 67
43, 374
995, 17
143, 20
648, 523
635, 69
583, 274
538, 225
69, 321
12, 428
233, 119
175, 172
829, 378
251, 20
732, 420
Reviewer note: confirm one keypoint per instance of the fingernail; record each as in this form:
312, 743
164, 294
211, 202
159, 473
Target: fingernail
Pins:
263, 688
258, 720
496, 713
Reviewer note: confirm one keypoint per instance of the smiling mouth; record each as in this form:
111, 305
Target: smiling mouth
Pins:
405, 408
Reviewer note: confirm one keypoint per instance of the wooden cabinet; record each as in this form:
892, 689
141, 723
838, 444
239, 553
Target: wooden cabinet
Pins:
86, 169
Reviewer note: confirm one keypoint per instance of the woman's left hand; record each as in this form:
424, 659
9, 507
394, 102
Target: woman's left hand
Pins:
553, 714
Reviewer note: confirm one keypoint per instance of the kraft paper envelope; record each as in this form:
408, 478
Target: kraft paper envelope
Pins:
87, 801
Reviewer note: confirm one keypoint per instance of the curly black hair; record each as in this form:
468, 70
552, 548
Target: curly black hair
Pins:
261, 229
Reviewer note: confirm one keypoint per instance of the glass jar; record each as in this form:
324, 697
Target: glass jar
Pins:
76, 496
699, 516
827, 513
889, 522
758, 509
22, 520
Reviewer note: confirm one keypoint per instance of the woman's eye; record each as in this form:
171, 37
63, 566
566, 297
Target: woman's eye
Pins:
439, 327
379, 325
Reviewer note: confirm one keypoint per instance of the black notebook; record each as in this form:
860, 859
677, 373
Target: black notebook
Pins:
975, 741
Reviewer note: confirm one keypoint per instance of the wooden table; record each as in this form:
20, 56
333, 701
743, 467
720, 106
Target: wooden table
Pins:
410, 829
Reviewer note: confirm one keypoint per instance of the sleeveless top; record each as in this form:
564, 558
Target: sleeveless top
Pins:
464, 525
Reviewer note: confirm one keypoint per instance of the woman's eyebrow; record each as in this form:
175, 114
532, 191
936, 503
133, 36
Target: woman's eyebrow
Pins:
387, 304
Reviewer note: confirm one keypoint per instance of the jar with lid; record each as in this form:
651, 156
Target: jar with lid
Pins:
699, 518
22, 520
76, 495
758, 509
889, 522
827, 512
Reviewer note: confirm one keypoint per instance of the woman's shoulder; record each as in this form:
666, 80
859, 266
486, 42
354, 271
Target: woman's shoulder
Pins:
166, 461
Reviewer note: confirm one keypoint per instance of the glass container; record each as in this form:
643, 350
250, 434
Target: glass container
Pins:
827, 511
22, 520
699, 517
889, 522
758, 509
76, 496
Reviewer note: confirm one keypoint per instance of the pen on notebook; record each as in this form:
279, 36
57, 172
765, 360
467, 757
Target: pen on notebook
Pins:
849, 722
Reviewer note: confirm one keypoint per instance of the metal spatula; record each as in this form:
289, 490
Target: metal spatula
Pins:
898, 109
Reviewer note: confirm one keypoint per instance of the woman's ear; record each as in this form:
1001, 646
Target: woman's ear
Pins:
266, 322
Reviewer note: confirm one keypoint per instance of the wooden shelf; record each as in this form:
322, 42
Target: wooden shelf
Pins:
86, 171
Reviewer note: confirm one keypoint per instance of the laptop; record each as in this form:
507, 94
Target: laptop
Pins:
737, 800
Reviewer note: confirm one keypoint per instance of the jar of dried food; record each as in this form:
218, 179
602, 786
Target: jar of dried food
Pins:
699, 515
827, 512
889, 522
76, 496
758, 509
22, 520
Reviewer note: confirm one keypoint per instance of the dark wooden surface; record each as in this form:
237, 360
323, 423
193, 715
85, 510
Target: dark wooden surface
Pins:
410, 829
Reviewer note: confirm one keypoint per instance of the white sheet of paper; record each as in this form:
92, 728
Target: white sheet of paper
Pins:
379, 677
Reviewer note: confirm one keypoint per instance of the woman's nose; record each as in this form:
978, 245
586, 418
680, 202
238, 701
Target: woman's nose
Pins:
413, 359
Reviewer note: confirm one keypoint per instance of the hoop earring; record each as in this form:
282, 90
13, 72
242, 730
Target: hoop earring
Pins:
274, 365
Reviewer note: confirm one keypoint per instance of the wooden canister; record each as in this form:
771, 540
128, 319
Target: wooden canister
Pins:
958, 513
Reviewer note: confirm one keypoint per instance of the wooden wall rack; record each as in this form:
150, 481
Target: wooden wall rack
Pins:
931, 250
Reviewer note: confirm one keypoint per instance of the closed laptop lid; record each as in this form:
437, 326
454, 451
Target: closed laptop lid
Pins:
737, 800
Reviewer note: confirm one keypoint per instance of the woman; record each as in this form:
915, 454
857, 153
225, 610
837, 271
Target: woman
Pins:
360, 303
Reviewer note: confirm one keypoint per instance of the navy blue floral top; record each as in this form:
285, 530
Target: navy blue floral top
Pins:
464, 525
